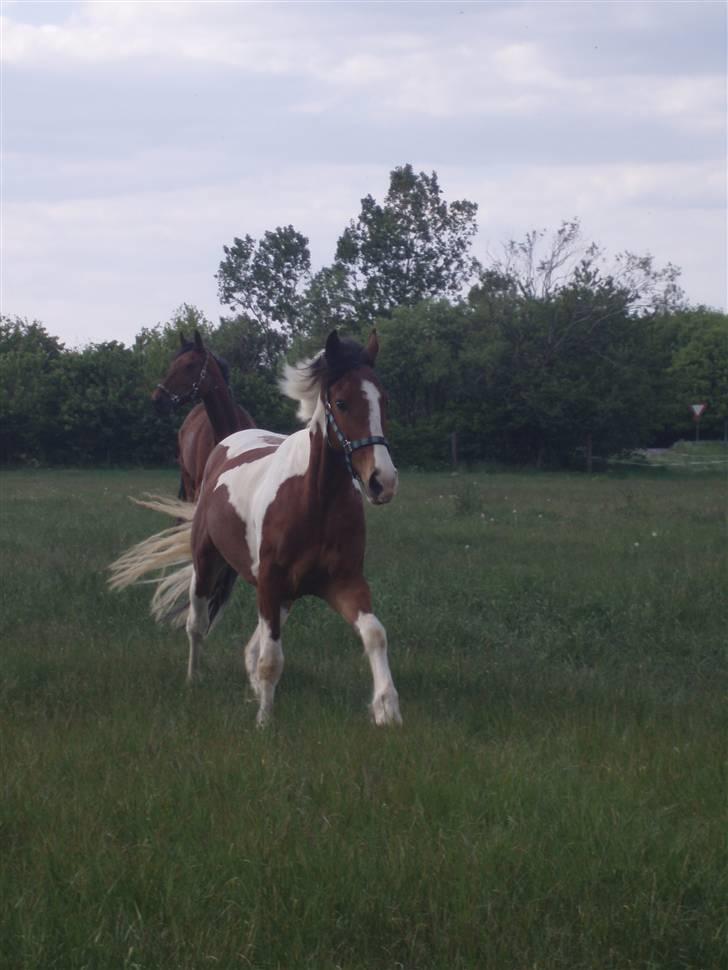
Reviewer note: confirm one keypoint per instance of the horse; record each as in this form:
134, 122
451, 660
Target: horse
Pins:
196, 373
287, 515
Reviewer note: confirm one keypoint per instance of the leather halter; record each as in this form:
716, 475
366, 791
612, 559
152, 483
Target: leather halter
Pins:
348, 447
193, 392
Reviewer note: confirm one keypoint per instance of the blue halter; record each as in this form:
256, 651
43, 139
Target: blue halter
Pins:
348, 447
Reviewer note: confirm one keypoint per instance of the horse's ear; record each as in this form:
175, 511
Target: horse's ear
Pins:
198, 342
182, 340
372, 348
332, 347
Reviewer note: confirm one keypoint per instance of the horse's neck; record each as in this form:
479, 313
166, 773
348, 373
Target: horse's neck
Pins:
328, 480
220, 407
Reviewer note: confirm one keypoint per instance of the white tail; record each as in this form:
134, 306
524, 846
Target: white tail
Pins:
158, 553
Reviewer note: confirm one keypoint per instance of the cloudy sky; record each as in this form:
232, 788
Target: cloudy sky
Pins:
139, 137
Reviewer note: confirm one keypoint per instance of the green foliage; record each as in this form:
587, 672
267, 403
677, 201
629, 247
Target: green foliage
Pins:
557, 357
28, 355
413, 247
329, 304
699, 369
265, 279
254, 352
572, 359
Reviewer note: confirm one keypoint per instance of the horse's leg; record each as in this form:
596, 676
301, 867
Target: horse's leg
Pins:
352, 599
269, 666
197, 626
252, 653
209, 585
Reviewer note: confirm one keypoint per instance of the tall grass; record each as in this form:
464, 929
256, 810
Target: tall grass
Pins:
556, 799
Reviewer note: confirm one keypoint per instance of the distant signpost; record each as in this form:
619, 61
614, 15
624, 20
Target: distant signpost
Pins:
697, 410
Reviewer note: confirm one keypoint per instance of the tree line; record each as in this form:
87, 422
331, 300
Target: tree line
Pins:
545, 354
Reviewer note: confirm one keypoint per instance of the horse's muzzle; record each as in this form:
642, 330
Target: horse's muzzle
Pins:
162, 402
381, 488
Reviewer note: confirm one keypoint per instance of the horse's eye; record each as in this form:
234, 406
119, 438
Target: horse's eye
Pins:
341, 405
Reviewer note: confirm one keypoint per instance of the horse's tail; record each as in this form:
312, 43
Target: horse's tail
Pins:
172, 547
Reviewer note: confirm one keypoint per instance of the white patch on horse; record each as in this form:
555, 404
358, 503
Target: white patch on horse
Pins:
253, 486
385, 703
382, 459
241, 441
268, 670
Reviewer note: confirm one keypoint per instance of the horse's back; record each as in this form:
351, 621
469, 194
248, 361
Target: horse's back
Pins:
238, 457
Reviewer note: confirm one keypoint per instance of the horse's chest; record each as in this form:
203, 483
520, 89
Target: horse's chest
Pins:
309, 553
307, 569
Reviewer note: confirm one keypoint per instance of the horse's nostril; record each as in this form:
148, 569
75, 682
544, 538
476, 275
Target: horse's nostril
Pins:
375, 486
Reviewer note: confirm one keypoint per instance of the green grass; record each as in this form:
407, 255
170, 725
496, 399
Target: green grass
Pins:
557, 797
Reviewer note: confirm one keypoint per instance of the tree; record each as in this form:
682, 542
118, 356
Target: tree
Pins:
27, 356
700, 367
540, 266
570, 360
266, 279
254, 352
329, 304
423, 363
413, 247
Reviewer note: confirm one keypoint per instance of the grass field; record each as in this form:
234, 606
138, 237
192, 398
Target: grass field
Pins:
557, 797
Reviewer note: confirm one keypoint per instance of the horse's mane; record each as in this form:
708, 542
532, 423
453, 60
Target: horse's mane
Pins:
190, 345
304, 381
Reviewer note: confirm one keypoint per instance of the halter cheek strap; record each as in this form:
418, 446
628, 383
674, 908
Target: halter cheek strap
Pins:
348, 447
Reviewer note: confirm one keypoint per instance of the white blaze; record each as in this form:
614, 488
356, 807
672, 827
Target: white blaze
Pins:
382, 459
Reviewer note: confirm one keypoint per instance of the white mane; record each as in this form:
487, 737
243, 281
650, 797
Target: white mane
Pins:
299, 384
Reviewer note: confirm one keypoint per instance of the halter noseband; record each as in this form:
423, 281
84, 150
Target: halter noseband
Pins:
194, 391
349, 447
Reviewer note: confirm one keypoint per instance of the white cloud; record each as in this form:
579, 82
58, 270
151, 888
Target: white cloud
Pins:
110, 265
142, 136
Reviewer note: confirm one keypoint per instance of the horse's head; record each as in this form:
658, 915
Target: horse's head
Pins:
356, 415
188, 377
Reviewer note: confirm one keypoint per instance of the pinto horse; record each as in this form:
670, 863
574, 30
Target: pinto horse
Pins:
197, 374
286, 514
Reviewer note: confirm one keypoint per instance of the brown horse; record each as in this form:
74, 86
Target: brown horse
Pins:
286, 514
197, 374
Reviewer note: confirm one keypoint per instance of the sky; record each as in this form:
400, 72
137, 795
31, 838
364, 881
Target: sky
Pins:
138, 138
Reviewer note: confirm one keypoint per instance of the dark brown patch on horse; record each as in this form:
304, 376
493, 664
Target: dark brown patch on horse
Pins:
308, 551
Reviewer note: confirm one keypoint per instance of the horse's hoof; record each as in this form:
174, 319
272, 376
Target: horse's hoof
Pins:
385, 709
262, 719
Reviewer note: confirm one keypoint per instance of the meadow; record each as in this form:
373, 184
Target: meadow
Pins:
557, 797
